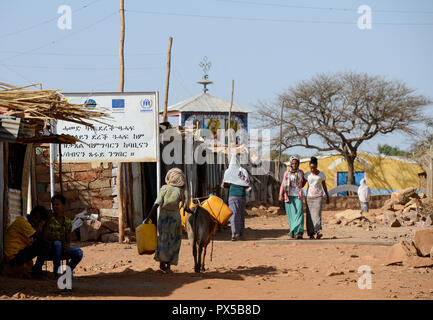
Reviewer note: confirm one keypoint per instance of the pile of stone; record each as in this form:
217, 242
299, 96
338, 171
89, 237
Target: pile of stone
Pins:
407, 208
263, 208
416, 254
354, 218
105, 230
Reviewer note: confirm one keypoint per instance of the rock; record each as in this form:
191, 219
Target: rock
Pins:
431, 253
403, 196
418, 262
398, 207
428, 221
89, 231
388, 205
423, 241
110, 224
262, 207
254, 209
409, 223
421, 195
335, 273
110, 237
395, 223
348, 214
389, 216
334, 221
273, 208
413, 216
400, 252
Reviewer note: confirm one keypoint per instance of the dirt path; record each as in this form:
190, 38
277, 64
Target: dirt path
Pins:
267, 265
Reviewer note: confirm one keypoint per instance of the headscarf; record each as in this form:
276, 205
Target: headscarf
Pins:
176, 178
364, 191
293, 171
235, 174
298, 177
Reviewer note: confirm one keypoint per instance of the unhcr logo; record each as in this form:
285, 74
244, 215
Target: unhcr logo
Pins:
146, 105
90, 103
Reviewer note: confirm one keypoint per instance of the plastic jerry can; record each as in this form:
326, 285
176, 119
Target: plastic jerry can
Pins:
146, 238
218, 209
184, 214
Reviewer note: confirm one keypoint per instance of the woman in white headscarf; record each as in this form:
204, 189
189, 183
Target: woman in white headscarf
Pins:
169, 220
237, 180
292, 195
364, 195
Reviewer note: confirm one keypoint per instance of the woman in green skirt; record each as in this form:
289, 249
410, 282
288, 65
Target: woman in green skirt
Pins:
169, 220
292, 194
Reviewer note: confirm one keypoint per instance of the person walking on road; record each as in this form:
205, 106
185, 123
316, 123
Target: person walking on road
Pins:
316, 186
169, 220
292, 194
364, 193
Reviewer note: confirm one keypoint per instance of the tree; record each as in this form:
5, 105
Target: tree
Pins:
422, 152
274, 156
338, 112
387, 150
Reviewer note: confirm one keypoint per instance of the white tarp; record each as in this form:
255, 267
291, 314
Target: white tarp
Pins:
130, 137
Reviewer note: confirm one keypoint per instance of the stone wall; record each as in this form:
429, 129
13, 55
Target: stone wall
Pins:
90, 186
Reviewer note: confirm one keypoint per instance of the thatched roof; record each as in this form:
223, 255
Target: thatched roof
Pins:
43, 105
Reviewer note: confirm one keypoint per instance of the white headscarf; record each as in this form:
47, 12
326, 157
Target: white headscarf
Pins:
364, 191
235, 174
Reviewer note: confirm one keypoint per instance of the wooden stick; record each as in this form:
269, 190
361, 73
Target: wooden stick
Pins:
122, 43
167, 81
230, 119
119, 179
60, 169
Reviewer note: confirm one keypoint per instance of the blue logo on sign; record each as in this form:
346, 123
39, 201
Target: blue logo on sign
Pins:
118, 103
146, 105
89, 103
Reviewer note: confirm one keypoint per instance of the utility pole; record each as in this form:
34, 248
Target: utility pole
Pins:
281, 139
230, 121
167, 82
119, 179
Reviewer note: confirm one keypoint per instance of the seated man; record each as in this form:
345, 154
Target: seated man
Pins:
24, 240
59, 232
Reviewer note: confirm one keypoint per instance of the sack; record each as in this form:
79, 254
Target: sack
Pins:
146, 238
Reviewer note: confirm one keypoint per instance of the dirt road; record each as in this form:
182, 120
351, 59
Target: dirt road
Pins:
267, 265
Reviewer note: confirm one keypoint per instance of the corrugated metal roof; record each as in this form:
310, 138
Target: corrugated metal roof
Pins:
206, 103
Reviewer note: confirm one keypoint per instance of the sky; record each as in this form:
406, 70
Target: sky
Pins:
264, 46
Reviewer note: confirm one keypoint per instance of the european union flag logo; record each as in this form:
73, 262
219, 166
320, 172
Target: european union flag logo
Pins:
118, 103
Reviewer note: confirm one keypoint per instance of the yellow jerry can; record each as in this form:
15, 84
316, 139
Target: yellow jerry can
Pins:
184, 214
218, 209
146, 238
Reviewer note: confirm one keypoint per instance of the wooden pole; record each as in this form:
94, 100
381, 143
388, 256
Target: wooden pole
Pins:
230, 121
119, 185
167, 81
122, 43
60, 169
281, 139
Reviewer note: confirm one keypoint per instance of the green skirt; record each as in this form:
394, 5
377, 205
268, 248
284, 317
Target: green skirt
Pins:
295, 214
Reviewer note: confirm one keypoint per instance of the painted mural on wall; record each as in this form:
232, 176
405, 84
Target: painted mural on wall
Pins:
214, 121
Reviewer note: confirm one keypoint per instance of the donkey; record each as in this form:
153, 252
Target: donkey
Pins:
200, 228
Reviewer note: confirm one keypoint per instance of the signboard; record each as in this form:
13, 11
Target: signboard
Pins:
130, 136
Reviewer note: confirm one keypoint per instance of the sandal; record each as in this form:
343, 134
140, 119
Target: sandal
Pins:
319, 235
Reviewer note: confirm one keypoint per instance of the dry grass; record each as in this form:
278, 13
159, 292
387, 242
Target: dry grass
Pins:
46, 105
